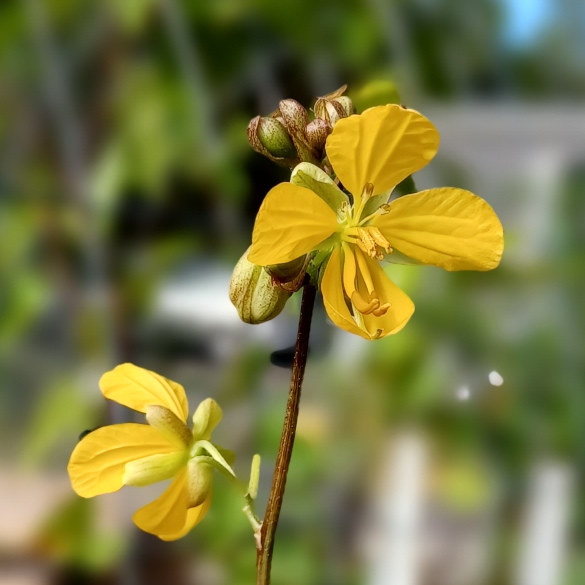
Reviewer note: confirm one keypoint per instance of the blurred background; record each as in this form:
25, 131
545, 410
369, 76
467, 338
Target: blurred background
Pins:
450, 454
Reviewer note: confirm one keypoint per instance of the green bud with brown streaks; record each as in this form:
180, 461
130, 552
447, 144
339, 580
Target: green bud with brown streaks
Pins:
254, 294
274, 137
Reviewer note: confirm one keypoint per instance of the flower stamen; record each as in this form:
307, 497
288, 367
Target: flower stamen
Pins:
367, 193
365, 308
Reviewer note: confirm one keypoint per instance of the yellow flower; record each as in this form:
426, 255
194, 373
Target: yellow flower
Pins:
370, 154
139, 455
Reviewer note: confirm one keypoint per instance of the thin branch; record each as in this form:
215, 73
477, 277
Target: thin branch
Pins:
270, 523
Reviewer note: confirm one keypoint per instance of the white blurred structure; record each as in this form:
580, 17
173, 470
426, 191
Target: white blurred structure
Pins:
395, 537
545, 530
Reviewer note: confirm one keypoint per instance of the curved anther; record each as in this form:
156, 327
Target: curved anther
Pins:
381, 310
365, 308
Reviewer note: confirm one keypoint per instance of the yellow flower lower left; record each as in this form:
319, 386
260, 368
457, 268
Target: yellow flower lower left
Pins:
111, 457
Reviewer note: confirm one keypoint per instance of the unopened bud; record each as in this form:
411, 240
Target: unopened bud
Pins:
296, 119
206, 418
274, 137
200, 480
252, 292
329, 110
271, 135
334, 106
317, 132
347, 104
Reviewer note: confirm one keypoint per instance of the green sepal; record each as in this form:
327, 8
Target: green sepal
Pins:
313, 178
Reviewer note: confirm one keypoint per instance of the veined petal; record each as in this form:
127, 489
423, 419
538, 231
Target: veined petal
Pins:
291, 222
333, 297
313, 178
401, 307
138, 388
450, 228
382, 146
154, 468
168, 517
98, 461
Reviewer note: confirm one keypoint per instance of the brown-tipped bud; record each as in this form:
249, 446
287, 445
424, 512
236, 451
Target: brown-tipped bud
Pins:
334, 106
274, 137
317, 132
347, 105
264, 127
296, 119
329, 110
253, 293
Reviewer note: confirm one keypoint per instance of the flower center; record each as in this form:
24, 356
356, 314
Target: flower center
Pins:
355, 230
359, 241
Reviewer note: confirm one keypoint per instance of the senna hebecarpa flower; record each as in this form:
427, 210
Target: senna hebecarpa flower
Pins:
370, 154
142, 454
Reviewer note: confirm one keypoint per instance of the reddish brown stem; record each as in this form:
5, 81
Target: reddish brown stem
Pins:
270, 523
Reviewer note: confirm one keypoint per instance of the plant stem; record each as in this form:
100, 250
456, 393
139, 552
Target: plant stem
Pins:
267, 534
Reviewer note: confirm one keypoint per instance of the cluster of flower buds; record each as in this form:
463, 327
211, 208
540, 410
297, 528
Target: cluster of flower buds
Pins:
288, 136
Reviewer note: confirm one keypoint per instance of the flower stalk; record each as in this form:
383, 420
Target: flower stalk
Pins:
265, 542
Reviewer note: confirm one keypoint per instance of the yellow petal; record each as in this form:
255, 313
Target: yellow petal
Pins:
291, 221
98, 461
194, 516
168, 517
333, 297
382, 146
450, 228
138, 388
401, 307
154, 468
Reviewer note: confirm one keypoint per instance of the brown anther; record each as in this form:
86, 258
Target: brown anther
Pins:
378, 334
365, 308
368, 191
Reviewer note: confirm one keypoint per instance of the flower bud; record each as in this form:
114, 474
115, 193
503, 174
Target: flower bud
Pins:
334, 106
275, 138
296, 119
256, 298
329, 110
200, 480
347, 105
263, 131
317, 132
206, 418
